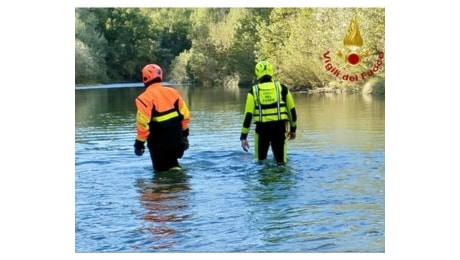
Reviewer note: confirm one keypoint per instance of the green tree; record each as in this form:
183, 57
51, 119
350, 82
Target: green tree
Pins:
170, 28
202, 64
129, 40
90, 49
295, 40
242, 54
223, 42
219, 46
137, 36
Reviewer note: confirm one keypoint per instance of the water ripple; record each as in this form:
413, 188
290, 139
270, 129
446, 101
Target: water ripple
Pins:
330, 196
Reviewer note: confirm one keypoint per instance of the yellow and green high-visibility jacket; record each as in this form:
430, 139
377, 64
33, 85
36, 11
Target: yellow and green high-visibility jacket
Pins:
268, 102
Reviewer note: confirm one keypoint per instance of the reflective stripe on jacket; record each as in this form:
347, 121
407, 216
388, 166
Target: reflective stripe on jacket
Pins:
157, 108
268, 102
269, 105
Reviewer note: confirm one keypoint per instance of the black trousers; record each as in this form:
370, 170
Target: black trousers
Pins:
272, 134
163, 159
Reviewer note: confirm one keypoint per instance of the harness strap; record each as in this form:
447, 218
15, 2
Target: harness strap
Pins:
278, 99
258, 102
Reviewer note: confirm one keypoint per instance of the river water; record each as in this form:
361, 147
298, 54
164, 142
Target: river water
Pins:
329, 198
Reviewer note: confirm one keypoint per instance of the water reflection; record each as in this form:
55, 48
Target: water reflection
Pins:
329, 198
89, 103
215, 99
165, 199
271, 173
274, 186
270, 196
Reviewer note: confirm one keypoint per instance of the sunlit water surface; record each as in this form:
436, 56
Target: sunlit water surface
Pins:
329, 198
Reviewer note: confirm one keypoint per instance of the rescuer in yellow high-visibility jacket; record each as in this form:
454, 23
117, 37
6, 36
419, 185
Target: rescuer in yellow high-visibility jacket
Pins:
271, 106
162, 121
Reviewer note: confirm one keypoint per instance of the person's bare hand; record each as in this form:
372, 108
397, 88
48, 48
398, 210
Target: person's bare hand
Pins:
291, 136
245, 145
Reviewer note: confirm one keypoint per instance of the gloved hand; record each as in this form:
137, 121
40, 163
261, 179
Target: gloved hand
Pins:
185, 142
185, 134
139, 147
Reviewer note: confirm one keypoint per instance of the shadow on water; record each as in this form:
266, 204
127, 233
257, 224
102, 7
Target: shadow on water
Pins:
164, 199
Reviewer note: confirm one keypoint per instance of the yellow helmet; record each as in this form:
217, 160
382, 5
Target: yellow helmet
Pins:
263, 68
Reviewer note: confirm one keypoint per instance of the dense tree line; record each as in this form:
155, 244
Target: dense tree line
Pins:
219, 46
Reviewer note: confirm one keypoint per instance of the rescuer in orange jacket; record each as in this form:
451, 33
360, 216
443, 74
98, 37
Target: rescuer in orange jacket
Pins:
162, 121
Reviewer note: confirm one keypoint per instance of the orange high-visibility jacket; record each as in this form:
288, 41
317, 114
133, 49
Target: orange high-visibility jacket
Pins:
158, 105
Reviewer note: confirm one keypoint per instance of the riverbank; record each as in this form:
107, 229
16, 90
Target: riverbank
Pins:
372, 87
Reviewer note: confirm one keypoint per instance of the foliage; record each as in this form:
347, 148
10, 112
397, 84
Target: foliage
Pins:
89, 50
297, 38
134, 37
215, 46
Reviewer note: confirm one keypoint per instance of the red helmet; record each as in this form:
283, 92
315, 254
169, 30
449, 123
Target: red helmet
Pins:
150, 72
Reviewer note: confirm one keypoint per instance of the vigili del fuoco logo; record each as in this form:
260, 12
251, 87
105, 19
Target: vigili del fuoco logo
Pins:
352, 56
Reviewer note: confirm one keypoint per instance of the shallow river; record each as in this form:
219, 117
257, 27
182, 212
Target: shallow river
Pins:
329, 198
